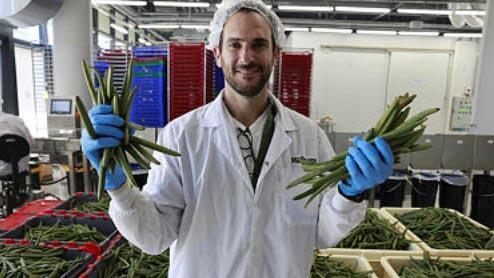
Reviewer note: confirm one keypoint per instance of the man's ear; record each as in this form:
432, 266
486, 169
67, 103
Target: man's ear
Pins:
276, 54
217, 56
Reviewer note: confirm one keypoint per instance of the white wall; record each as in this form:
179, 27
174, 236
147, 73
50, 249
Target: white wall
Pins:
355, 75
484, 96
25, 88
72, 44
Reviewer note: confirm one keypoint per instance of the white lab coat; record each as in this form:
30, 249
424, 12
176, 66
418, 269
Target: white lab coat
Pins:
204, 203
11, 124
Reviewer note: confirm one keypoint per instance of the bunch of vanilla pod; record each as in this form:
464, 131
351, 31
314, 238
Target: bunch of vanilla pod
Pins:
121, 104
400, 133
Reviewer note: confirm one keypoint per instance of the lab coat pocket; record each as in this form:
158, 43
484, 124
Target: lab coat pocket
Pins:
294, 210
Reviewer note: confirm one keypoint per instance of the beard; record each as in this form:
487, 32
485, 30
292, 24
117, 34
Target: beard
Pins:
248, 88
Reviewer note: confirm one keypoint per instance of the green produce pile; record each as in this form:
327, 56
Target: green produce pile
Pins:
430, 268
121, 102
374, 233
129, 261
93, 207
400, 133
29, 261
323, 267
72, 232
443, 229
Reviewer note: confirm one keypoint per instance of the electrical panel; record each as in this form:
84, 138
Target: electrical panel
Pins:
461, 113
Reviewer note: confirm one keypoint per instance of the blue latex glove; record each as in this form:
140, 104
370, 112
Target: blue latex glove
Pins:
368, 165
109, 134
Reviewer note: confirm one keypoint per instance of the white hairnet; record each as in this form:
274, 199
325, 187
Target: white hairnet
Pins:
230, 7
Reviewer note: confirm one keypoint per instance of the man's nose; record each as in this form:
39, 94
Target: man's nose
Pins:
245, 55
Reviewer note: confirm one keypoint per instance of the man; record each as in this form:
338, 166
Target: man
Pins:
11, 124
223, 203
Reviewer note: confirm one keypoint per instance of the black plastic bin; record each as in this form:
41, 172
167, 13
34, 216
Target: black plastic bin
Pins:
483, 200
392, 192
452, 191
424, 190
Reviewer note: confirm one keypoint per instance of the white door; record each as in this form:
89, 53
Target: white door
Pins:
351, 86
424, 74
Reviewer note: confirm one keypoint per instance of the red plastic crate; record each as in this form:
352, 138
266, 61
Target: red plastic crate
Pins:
37, 207
293, 82
187, 78
13, 221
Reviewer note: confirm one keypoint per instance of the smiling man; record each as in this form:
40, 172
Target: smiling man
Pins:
223, 206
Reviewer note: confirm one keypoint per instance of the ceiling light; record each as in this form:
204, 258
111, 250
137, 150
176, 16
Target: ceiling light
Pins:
463, 35
119, 2
119, 28
424, 11
300, 29
376, 32
199, 27
158, 26
408, 33
362, 10
306, 8
470, 12
268, 6
331, 30
181, 4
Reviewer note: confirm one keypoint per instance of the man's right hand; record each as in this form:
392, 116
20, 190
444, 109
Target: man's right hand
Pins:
108, 134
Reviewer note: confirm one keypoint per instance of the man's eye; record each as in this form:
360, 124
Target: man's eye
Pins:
259, 45
235, 45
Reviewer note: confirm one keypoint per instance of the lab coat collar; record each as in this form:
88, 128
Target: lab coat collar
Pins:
227, 142
213, 114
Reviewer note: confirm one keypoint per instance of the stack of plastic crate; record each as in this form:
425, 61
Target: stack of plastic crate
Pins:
210, 82
187, 77
118, 59
294, 85
149, 106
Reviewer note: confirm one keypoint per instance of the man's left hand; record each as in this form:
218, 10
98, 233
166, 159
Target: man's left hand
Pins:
368, 165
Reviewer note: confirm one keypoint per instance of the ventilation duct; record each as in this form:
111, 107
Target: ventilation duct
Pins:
24, 13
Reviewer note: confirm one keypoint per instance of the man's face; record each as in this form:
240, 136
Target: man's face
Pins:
247, 55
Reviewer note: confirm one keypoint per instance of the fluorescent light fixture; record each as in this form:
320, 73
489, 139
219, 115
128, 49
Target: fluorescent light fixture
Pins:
306, 8
424, 11
199, 27
268, 6
376, 32
409, 33
119, 2
331, 30
143, 41
299, 29
470, 12
463, 35
181, 4
158, 26
362, 10
119, 28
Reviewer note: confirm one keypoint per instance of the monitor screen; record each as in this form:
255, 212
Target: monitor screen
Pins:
61, 106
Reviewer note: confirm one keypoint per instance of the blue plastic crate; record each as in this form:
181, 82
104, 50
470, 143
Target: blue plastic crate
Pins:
219, 79
149, 51
101, 67
148, 106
